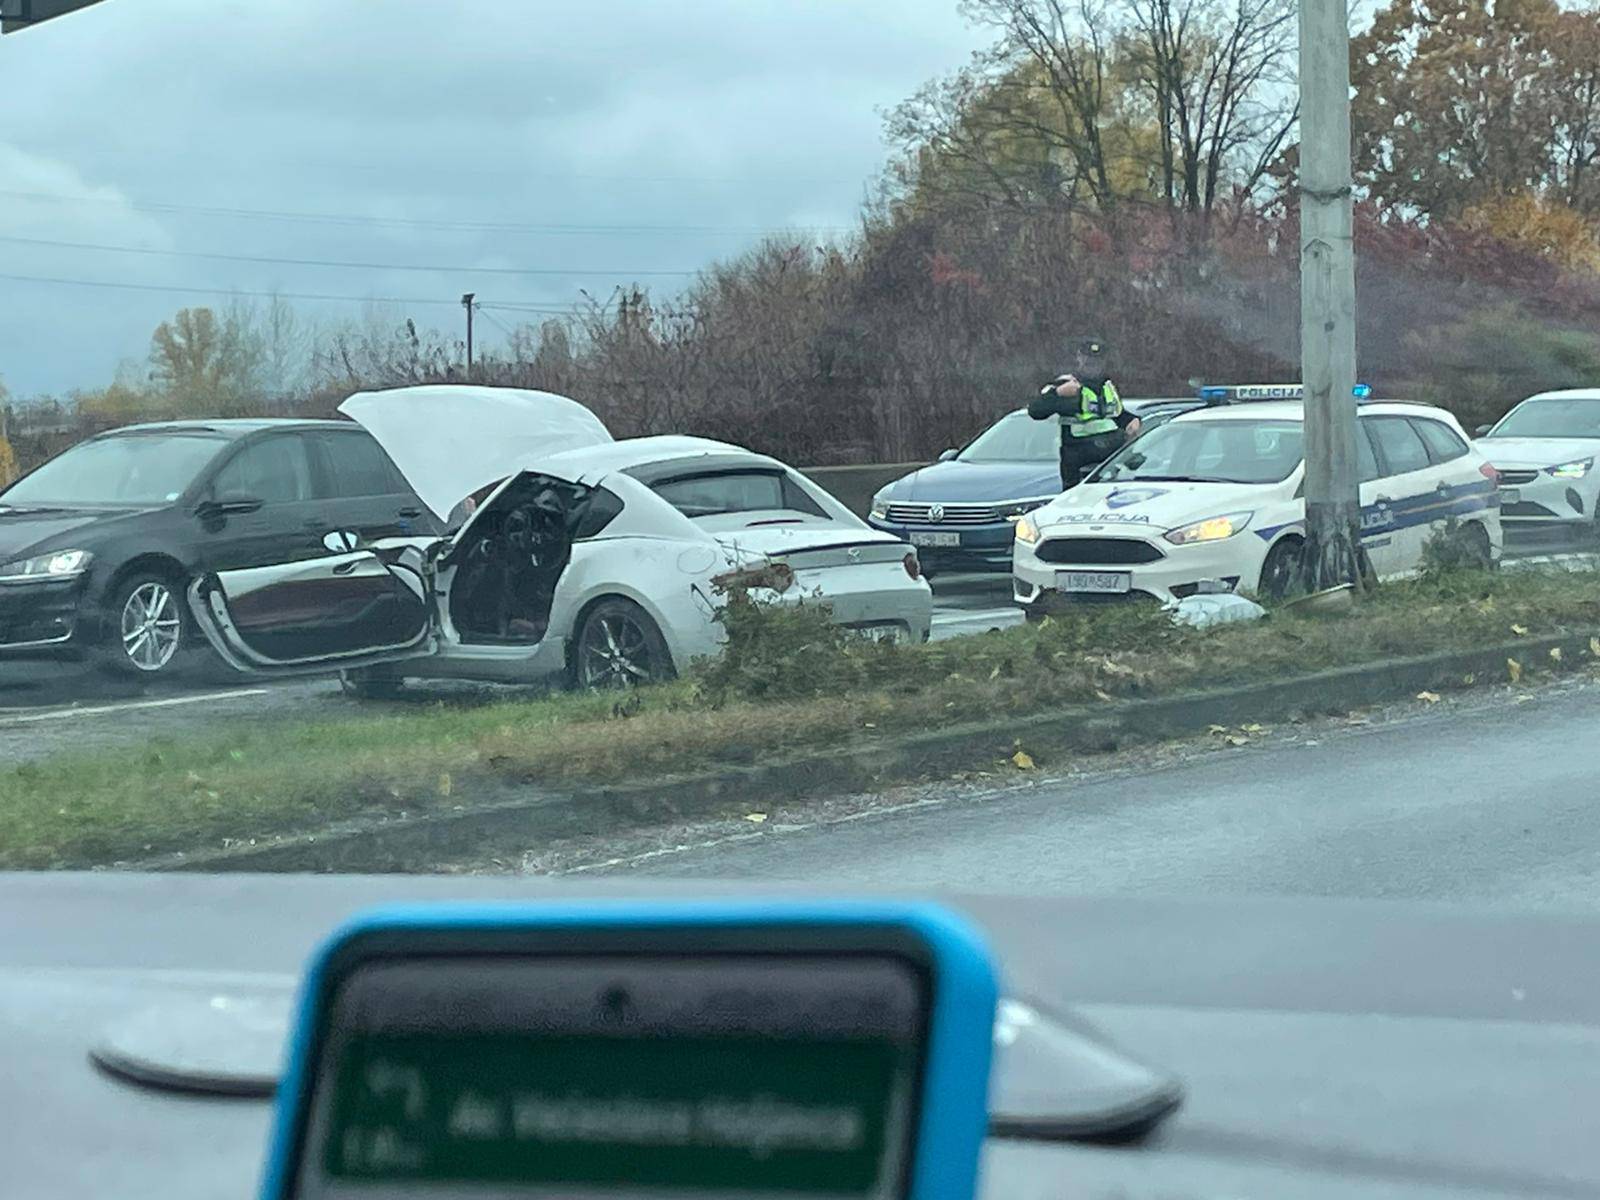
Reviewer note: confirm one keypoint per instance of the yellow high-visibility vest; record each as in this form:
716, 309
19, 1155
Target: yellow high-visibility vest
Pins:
1096, 414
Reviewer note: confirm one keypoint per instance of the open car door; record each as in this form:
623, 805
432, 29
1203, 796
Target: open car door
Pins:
348, 608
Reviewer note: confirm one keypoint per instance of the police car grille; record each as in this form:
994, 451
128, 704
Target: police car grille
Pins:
1098, 552
1513, 478
952, 514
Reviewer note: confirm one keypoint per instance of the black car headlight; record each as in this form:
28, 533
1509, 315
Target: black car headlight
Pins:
58, 564
1012, 512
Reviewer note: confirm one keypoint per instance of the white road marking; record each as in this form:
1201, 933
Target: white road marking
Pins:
99, 710
959, 616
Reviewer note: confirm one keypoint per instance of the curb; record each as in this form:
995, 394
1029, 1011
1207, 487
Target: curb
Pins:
520, 815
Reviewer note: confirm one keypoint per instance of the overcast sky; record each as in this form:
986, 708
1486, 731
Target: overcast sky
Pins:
709, 120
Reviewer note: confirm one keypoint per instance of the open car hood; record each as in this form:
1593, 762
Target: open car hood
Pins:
449, 440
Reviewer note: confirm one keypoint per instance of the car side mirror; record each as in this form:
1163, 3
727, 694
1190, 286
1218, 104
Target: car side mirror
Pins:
1481, 430
948, 455
228, 504
1085, 472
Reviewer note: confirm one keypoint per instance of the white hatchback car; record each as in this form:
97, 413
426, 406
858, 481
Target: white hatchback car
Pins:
1216, 496
1545, 450
602, 562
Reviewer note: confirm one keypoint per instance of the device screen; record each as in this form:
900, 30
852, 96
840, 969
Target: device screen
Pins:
727, 1075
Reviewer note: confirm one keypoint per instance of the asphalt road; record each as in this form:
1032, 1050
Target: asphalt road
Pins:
1489, 797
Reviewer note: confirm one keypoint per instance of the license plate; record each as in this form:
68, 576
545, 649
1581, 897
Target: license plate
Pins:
936, 539
1510, 495
1114, 582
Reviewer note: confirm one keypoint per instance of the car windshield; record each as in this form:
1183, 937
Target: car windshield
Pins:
1554, 418
1016, 438
1214, 451
134, 469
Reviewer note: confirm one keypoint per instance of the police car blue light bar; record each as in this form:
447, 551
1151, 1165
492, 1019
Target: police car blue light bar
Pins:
1246, 392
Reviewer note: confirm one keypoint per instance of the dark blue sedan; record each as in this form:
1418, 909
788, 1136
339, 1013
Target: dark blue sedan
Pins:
959, 512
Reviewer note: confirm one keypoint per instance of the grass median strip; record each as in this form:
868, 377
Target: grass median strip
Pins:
789, 682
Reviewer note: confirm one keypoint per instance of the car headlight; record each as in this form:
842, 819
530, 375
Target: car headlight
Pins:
59, 564
1572, 470
880, 507
1013, 512
1212, 529
1027, 531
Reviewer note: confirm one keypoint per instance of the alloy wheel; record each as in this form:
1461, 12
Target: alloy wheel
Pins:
151, 626
615, 653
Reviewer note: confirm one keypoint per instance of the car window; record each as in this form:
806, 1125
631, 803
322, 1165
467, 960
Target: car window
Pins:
736, 491
1400, 444
1226, 451
1016, 438
357, 466
1443, 442
1565, 417
277, 470
1366, 459
143, 468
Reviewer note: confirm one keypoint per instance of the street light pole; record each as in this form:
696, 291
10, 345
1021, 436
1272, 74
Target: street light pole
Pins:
1328, 299
466, 303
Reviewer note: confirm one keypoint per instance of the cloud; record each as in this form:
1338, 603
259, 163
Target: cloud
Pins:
727, 116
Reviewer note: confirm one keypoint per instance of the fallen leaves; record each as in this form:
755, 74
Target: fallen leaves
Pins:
1428, 697
1022, 760
1594, 646
755, 818
1520, 630
1514, 670
445, 784
1555, 653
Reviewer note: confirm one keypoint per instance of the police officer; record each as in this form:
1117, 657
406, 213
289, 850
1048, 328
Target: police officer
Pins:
1093, 421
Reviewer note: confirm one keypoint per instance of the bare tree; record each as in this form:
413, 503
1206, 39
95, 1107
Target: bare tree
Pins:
1218, 74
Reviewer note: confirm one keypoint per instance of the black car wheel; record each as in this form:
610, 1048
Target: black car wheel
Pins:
145, 628
1279, 570
619, 646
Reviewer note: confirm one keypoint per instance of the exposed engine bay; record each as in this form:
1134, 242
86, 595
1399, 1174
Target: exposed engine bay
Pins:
510, 557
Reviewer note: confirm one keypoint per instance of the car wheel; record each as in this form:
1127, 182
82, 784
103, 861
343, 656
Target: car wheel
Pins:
619, 646
146, 630
1474, 539
371, 683
1280, 568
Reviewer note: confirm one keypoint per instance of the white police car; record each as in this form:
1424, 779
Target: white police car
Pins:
1545, 450
1216, 496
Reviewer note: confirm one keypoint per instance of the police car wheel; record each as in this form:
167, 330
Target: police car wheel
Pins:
1279, 570
1474, 540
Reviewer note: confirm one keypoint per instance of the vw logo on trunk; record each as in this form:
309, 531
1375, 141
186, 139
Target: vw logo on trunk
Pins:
935, 512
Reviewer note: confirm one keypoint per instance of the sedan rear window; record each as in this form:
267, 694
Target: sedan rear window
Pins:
133, 469
736, 491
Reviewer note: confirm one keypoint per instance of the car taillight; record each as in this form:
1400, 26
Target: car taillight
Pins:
1488, 472
913, 567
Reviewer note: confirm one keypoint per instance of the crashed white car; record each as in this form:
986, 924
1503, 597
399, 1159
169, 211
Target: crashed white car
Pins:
600, 561
1545, 450
1215, 499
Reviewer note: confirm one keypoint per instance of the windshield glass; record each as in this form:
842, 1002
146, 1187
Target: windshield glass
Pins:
133, 469
1573, 418
1016, 438
1222, 451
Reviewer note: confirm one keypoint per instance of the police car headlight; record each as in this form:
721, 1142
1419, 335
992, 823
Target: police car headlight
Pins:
1027, 531
1572, 470
1212, 529
880, 507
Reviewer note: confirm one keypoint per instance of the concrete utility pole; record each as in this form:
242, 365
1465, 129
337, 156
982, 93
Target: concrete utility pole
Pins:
466, 303
1328, 298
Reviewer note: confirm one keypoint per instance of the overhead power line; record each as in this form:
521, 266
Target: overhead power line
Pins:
417, 222
325, 262
211, 291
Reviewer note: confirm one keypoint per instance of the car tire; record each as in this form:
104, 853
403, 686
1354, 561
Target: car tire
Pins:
1279, 569
146, 630
618, 645
371, 683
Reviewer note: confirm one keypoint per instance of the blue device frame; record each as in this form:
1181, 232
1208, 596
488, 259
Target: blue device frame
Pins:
953, 1111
